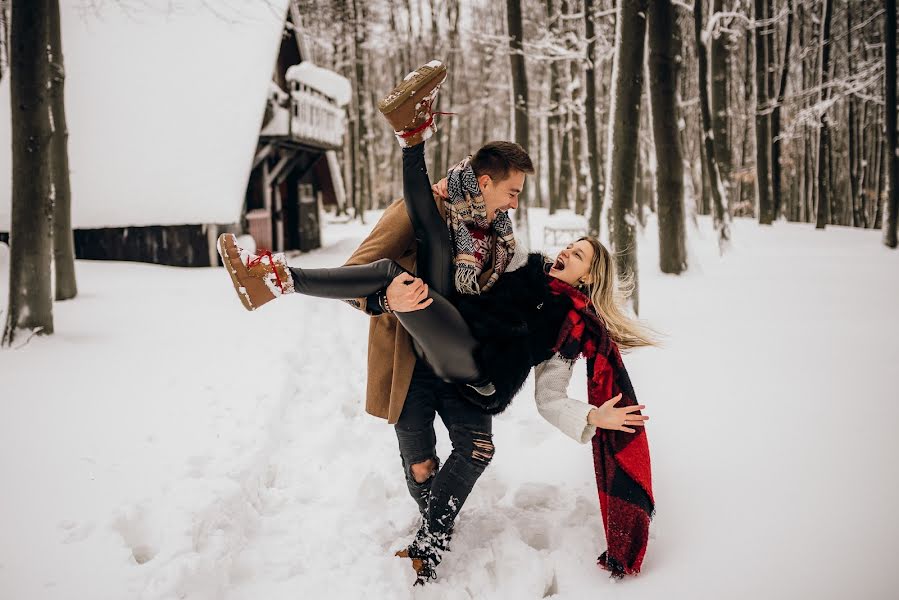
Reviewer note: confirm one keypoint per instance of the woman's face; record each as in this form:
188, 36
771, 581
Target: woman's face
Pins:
573, 263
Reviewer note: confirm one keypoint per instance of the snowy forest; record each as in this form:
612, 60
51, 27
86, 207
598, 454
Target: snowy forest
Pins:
613, 99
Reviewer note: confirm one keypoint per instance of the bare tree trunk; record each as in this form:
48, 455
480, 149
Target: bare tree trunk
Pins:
554, 118
565, 161
762, 132
63, 242
664, 61
889, 37
824, 135
720, 111
624, 125
776, 141
852, 130
590, 109
31, 242
578, 99
4, 37
748, 113
882, 166
361, 150
716, 186
454, 10
520, 96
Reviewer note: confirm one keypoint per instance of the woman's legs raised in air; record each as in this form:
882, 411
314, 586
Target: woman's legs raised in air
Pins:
440, 331
434, 256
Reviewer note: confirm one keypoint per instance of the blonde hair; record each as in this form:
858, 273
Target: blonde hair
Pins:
609, 293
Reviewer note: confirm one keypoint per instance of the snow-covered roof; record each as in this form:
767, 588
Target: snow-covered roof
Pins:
327, 82
164, 107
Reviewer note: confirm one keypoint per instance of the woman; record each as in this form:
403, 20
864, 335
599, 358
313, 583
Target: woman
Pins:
540, 314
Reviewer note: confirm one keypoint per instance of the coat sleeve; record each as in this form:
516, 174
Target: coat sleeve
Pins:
551, 394
392, 237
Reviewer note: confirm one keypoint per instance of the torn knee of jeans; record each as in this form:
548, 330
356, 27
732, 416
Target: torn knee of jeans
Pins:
423, 471
482, 447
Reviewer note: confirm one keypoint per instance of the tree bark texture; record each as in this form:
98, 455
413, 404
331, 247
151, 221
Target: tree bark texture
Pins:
664, 64
31, 242
716, 186
63, 240
776, 141
590, 109
624, 126
823, 210
892, 211
520, 98
720, 111
762, 131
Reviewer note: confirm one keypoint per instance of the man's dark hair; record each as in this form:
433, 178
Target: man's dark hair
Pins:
499, 159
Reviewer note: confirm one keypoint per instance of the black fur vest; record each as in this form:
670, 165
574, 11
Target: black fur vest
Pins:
517, 323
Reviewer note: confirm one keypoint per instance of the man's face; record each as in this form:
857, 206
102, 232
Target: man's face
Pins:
503, 195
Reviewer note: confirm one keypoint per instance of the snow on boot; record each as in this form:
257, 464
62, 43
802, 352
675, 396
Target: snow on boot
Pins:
256, 279
426, 552
408, 106
422, 565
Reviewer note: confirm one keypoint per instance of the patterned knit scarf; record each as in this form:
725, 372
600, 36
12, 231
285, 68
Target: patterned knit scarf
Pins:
465, 207
620, 459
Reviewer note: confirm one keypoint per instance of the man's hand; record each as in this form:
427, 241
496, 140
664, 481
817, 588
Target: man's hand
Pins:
407, 293
440, 188
609, 417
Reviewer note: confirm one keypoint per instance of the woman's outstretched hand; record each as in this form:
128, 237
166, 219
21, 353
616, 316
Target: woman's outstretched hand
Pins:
440, 188
609, 417
407, 293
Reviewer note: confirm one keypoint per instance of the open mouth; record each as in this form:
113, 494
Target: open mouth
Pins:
559, 265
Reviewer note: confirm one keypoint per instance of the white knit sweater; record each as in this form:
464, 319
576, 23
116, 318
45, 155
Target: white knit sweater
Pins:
551, 385
551, 393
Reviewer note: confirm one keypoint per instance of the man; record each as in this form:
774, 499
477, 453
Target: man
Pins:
403, 389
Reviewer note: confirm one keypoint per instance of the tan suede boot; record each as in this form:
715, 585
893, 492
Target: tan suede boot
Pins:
256, 279
422, 570
408, 106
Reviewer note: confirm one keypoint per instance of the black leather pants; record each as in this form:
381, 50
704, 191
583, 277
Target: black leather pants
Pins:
442, 337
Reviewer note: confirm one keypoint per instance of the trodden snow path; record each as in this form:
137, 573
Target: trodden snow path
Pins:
167, 444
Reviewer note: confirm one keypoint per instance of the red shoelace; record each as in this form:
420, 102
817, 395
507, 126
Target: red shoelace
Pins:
427, 123
271, 261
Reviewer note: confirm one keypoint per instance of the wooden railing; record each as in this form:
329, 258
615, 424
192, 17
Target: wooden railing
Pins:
314, 118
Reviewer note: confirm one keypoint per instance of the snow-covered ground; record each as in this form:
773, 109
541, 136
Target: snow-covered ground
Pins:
164, 443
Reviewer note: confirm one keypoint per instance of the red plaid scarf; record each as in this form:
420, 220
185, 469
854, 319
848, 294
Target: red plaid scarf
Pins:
620, 459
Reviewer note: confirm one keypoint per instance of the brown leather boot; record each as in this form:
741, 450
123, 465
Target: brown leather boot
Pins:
408, 106
423, 571
256, 279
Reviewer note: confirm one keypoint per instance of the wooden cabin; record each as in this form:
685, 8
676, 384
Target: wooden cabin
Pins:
212, 122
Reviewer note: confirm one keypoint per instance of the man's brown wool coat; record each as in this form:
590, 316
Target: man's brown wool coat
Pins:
390, 354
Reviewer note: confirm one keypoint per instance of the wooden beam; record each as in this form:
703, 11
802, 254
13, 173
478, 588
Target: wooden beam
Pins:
279, 168
262, 154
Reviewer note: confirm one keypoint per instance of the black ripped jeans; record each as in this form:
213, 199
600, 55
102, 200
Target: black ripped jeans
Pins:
441, 495
445, 348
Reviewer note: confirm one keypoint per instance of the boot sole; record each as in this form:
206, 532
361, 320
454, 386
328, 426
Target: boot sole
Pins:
406, 90
222, 245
